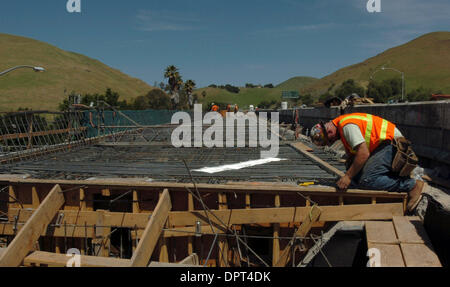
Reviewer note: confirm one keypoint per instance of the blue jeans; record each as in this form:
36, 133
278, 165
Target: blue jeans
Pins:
377, 173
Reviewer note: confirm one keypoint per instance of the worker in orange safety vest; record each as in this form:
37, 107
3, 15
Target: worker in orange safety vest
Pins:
214, 108
368, 143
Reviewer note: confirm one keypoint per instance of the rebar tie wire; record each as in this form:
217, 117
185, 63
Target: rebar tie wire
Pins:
220, 221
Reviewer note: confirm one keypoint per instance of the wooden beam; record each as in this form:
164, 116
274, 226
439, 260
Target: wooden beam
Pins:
146, 245
223, 243
219, 188
302, 146
276, 235
33, 229
328, 167
181, 219
191, 260
304, 229
60, 260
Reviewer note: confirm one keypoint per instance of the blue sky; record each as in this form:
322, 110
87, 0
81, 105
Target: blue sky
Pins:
222, 42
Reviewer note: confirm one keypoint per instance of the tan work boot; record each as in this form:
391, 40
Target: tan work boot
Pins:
415, 195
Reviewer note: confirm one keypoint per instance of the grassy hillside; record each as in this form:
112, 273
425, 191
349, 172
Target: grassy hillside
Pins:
246, 97
65, 70
296, 83
425, 62
253, 96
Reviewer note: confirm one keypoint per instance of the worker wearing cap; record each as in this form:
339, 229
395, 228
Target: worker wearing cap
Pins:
367, 140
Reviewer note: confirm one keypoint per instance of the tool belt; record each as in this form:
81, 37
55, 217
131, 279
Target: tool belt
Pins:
405, 160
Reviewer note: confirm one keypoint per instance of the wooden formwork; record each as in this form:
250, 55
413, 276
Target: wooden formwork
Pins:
168, 222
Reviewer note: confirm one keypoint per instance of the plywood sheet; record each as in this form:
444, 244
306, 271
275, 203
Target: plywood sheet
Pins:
419, 255
381, 232
390, 254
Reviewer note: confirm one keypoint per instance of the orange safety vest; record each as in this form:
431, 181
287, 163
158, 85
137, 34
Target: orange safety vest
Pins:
215, 108
375, 129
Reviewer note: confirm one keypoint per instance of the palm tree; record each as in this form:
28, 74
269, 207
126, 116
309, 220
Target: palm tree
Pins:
189, 87
174, 77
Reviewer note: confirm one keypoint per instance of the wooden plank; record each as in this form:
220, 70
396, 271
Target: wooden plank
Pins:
223, 243
328, 167
304, 229
159, 186
410, 230
60, 260
276, 234
384, 211
162, 244
190, 208
302, 146
33, 229
381, 232
172, 265
419, 255
146, 245
390, 254
191, 260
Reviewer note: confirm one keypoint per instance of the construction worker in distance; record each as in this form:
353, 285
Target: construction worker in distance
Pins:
368, 143
214, 108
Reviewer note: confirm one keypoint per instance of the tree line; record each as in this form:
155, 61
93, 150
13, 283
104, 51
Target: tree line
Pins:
386, 91
175, 95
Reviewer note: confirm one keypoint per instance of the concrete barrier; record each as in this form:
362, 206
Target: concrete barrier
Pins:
426, 124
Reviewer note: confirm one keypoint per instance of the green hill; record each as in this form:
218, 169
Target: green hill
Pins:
64, 70
425, 62
296, 83
246, 97
253, 96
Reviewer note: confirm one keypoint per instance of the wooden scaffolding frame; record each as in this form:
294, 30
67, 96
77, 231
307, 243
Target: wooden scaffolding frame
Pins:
161, 216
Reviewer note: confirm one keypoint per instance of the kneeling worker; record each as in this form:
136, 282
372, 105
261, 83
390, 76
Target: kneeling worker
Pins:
368, 142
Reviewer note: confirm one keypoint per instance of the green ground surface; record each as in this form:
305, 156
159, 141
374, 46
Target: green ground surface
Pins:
65, 70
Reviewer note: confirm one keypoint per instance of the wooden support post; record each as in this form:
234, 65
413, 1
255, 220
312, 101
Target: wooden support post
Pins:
12, 194
304, 229
152, 232
33, 229
162, 244
247, 201
102, 234
35, 202
83, 205
223, 242
190, 238
276, 235
136, 206
106, 192
136, 209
